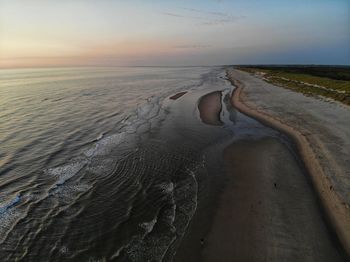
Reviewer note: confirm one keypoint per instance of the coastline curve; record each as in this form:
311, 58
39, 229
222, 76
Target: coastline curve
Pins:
336, 210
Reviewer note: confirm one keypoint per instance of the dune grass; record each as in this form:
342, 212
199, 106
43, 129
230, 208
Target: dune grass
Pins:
330, 82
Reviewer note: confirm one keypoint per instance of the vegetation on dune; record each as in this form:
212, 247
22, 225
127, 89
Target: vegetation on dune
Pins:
327, 81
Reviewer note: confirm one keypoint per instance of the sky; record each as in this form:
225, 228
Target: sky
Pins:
37, 33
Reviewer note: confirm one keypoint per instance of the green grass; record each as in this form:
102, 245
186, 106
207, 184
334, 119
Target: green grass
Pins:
331, 82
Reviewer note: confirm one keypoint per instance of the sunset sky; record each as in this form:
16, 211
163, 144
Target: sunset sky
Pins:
184, 32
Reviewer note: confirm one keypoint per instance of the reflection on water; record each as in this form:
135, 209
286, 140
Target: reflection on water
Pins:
101, 164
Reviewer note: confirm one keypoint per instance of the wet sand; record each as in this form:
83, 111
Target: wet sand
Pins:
268, 211
209, 108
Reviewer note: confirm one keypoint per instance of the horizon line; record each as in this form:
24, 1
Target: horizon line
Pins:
175, 66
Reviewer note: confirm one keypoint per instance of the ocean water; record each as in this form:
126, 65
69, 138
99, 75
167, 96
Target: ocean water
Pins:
99, 164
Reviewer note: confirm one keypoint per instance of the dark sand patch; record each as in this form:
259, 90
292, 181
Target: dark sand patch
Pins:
268, 211
210, 107
178, 95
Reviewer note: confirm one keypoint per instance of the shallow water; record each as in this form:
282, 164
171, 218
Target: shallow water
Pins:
99, 164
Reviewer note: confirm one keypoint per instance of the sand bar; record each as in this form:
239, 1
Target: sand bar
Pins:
178, 95
209, 107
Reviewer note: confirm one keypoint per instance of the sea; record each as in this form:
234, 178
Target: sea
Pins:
104, 163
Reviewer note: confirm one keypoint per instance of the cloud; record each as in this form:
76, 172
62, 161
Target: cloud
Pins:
215, 17
172, 14
223, 20
206, 17
205, 12
191, 46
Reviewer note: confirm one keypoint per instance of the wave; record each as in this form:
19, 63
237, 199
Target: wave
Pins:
116, 179
9, 204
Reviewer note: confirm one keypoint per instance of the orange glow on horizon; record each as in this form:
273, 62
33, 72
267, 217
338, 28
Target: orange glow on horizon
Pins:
119, 53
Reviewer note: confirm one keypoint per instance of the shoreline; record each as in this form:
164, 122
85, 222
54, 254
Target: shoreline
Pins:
336, 210
255, 202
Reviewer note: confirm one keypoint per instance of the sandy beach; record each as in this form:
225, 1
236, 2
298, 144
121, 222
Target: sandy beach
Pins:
276, 203
268, 211
323, 149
